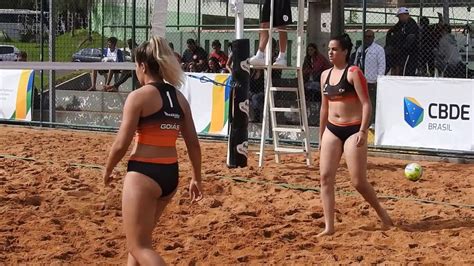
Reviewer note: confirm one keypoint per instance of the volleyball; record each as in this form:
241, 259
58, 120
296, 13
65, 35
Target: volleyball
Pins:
413, 171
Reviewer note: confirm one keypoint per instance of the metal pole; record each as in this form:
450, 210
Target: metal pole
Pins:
199, 22
125, 20
134, 24
421, 10
41, 59
147, 15
364, 26
239, 19
177, 18
103, 24
446, 11
52, 51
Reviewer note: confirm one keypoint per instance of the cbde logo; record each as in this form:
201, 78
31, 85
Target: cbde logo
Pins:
441, 115
413, 111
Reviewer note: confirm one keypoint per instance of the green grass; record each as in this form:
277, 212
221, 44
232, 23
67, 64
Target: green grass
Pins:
66, 46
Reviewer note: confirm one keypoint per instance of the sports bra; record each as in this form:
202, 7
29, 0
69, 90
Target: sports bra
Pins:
341, 90
161, 129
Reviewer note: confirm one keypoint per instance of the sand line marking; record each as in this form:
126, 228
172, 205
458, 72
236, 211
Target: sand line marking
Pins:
262, 182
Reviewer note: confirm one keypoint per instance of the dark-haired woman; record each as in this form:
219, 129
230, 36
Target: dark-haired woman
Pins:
344, 119
156, 113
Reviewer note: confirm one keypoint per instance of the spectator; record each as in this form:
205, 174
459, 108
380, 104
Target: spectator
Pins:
313, 65
126, 74
402, 46
353, 55
214, 66
427, 42
228, 64
373, 66
177, 55
22, 56
448, 58
194, 57
218, 54
109, 54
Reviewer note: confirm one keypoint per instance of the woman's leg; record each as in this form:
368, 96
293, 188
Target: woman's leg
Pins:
139, 204
356, 159
330, 155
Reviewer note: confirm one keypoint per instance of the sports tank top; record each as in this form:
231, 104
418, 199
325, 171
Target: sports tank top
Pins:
341, 90
161, 129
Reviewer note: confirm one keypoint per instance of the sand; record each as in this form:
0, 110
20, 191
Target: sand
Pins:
54, 210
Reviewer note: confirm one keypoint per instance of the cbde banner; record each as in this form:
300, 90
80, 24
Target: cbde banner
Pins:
425, 112
209, 97
16, 90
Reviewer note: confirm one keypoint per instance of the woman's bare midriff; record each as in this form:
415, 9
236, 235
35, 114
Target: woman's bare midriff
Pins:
149, 151
345, 112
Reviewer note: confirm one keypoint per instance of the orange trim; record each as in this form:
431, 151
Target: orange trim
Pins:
157, 140
166, 160
353, 123
347, 97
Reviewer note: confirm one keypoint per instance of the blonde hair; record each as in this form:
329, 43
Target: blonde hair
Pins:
160, 60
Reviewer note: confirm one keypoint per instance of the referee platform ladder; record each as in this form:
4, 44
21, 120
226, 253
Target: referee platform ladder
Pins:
298, 135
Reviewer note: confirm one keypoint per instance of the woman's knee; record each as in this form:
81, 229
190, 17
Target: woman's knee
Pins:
327, 179
360, 184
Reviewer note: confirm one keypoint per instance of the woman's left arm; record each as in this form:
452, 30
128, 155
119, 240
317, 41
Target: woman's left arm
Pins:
357, 78
130, 117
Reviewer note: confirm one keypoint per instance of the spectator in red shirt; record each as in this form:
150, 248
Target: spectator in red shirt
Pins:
313, 65
218, 54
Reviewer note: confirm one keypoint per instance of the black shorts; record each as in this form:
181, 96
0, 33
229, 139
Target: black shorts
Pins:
281, 12
343, 132
165, 175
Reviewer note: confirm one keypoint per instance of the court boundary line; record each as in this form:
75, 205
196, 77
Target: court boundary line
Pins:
262, 182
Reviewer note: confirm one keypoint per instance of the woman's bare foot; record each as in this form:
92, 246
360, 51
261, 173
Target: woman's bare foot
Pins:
326, 232
386, 220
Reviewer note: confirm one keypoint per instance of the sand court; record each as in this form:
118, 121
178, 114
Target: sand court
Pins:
54, 208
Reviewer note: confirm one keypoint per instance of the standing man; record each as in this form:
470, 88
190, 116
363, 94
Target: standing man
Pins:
402, 39
281, 18
373, 65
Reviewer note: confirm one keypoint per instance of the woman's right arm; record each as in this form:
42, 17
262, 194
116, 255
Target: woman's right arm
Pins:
323, 114
190, 137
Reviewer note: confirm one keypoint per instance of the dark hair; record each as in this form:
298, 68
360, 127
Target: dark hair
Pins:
191, 41
345, 43
313, 45
171, 45
112, 40
216, 43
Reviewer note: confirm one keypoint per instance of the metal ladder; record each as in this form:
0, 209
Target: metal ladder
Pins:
269, 103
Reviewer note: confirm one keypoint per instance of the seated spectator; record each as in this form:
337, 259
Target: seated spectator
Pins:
448, 58
214, 66
22, 56
126, 74
218, 54
427, 41
177, 55
109, 54
194, 57
313, 65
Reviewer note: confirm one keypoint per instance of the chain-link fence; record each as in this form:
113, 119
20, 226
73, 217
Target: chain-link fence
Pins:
431, 38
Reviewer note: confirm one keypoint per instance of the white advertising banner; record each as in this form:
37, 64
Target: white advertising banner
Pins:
16, 90
418, 112
209, 98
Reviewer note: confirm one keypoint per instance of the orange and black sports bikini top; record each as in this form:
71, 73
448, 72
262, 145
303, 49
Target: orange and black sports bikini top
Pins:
341, 90
161, 129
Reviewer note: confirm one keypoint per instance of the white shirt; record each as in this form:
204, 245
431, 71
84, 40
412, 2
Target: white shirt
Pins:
111, 56
374, 62
448, 50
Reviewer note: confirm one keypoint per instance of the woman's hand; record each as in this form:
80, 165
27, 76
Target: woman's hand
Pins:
361, 138
195, 190
107, 175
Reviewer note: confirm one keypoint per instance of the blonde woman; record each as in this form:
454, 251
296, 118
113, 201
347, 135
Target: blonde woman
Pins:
155, 113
